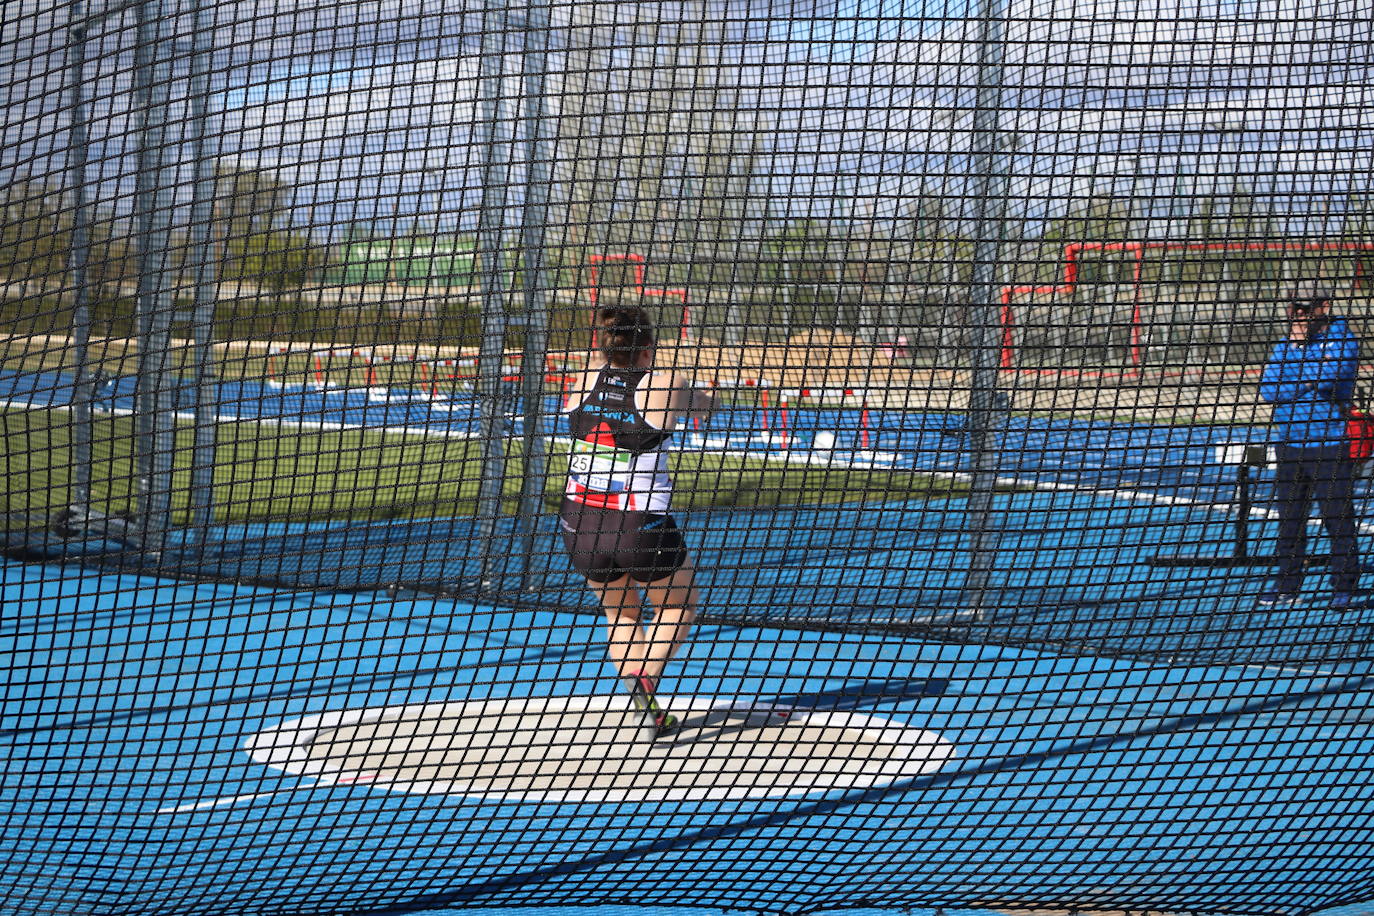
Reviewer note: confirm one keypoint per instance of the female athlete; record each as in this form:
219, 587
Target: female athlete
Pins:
615, 514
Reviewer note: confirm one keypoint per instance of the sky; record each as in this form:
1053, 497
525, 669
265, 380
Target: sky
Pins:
849, 108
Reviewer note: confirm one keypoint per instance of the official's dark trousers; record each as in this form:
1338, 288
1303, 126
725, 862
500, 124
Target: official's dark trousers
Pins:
1325, 475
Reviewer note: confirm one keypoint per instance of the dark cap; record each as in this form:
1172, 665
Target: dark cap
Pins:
1307, 298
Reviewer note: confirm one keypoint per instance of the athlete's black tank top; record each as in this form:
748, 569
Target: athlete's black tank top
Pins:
609, 414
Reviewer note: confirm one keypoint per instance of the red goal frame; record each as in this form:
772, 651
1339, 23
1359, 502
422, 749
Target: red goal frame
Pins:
640, 268
1069, 280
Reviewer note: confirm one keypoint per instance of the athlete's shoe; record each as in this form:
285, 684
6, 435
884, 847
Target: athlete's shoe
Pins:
642, 692
641, 689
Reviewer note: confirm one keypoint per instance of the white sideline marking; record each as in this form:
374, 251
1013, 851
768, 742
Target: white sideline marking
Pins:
266, 421
226, 800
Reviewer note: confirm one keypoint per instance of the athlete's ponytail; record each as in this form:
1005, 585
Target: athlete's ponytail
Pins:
623, 332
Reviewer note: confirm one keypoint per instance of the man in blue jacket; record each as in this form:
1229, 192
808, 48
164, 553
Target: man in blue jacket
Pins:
1310, 380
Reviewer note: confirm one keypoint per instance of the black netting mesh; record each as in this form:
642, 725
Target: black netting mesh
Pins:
980, 524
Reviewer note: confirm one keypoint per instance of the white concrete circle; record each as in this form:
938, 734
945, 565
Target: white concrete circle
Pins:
597, 749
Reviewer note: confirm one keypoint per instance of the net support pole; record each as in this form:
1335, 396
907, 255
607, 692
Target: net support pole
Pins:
494, 140
155, 430
987, 404
78, 154
203, 263
535, 276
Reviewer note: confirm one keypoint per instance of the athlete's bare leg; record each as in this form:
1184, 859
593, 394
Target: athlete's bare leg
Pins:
626, 641
675, 608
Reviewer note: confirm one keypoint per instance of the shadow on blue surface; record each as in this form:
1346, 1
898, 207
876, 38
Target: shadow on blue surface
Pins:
1071, 571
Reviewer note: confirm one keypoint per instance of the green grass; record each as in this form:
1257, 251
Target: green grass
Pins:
264, 472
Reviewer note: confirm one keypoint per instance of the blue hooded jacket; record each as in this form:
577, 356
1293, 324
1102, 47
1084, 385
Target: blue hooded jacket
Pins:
1310, 385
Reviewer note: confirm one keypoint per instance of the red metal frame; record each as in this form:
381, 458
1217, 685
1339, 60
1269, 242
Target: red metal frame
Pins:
1074, 250
639, 262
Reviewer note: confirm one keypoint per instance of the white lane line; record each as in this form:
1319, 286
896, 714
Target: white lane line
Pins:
1296, 672
226, 800
266, 421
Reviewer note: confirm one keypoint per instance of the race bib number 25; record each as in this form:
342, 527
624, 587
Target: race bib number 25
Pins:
601, 467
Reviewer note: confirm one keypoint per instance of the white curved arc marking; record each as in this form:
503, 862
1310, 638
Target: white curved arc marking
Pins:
904, 751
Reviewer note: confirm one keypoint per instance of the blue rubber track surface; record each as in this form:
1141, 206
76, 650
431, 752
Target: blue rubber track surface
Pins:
1073, 777
1124, 733
1073, 548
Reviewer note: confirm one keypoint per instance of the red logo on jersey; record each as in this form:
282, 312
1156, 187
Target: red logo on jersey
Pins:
578, 493
601, 435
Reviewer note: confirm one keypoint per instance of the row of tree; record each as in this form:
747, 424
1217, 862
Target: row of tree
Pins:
254, 239
251, 237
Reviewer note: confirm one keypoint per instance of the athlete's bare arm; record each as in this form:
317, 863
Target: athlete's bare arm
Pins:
666, 398
586, 381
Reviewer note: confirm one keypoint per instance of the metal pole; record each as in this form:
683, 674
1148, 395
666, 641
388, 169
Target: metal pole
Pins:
534, 218
155, 432
77, 155
987, 405
203, 265
1243, 503
494, 141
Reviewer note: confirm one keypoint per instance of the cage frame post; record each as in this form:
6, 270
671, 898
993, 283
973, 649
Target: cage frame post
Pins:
204, 268
987, 404
78, 153
494, 140
155, 429
536, 284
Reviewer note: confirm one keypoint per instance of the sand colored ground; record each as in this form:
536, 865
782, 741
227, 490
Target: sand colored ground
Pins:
820, 361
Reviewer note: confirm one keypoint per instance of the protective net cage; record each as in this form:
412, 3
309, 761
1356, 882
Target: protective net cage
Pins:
973, 519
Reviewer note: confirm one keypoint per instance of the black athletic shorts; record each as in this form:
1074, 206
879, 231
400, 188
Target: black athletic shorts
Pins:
605, 544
